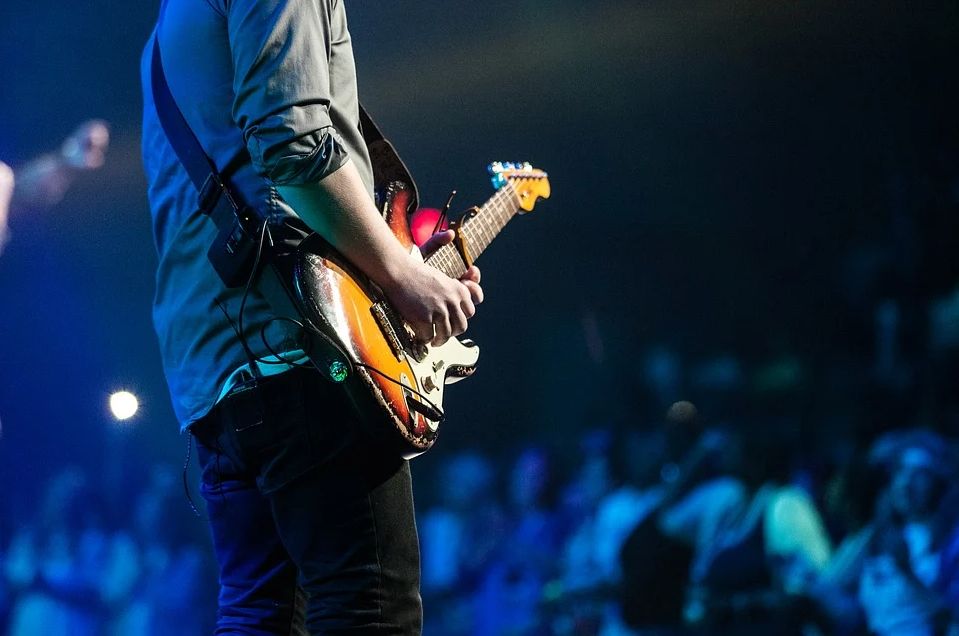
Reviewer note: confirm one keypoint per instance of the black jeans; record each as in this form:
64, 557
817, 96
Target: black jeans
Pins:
312, 524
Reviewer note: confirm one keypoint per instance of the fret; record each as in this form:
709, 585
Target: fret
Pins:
447, 260
478, 231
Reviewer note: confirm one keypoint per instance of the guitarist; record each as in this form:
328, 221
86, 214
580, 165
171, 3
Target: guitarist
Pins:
313, 526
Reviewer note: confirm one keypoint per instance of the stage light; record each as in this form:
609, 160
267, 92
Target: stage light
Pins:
422, 223
123, 405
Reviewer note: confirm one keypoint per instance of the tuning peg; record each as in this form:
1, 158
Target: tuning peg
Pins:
495, 168
527, 166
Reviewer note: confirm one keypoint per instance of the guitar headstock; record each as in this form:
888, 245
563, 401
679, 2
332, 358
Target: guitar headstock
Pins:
530, 183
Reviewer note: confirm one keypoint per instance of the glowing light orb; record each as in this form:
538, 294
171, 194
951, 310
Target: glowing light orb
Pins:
123, 405
422, 223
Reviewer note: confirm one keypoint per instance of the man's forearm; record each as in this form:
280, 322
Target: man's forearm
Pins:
340, 210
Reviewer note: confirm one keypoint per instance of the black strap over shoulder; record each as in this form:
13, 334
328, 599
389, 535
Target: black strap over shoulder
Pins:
234, 250
233, 253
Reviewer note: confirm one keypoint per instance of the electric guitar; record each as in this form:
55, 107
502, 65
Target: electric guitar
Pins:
395, 381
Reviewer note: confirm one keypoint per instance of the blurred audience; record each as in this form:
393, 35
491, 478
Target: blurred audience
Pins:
899, 586
71, 571
791, 500
66, 568
458, 538
679, 527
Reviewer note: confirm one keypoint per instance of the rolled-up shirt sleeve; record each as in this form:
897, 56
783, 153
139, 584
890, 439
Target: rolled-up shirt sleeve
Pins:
282, 88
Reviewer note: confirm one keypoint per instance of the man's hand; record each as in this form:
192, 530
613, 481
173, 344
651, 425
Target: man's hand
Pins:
339, 208
43, 181
470, 278
436, 306
86, 147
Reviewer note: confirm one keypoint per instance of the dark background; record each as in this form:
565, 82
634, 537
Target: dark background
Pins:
738, 178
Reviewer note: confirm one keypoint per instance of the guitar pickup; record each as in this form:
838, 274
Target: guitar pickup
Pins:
382, 315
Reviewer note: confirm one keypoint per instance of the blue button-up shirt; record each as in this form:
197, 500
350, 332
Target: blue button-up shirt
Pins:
269, 89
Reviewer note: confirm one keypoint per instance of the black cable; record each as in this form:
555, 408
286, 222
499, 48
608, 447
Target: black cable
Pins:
279, 357
410, 389
250, 358
254, 369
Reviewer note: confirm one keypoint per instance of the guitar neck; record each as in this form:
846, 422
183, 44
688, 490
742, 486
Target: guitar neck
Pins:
478, 231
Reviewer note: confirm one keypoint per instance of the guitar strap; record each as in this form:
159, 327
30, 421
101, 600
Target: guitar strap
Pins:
234, 250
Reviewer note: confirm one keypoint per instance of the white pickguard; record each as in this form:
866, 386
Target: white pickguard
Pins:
443, 365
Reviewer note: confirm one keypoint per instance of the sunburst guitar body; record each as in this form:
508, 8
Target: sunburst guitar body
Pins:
397, 383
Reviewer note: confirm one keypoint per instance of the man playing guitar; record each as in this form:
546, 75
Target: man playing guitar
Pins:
312, 523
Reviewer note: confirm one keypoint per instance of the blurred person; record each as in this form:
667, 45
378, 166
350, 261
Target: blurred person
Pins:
43, 181
690, 501
902, 579
636, 458
591, 482
67, 570
850, 499
767, 551
511, 587
458, 538
582, 596
167, 599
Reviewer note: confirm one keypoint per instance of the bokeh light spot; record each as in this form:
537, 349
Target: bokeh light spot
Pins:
123, 405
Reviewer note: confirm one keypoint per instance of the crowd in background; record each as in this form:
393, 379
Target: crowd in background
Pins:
654, 532
801, 481
81, 566
805, 492
749, 520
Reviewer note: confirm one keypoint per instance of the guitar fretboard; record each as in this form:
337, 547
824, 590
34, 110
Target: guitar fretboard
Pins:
478, 231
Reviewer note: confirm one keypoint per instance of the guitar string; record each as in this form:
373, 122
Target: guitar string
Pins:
443, 259
498, 209
478, 230
499, 212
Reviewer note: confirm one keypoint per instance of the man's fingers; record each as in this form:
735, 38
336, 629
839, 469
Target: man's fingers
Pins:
476, 292
444, 331
473, 274
424, 331
436, 241
458, 322
468, 309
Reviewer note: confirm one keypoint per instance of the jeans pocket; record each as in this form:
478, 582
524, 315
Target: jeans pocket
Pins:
289, 424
